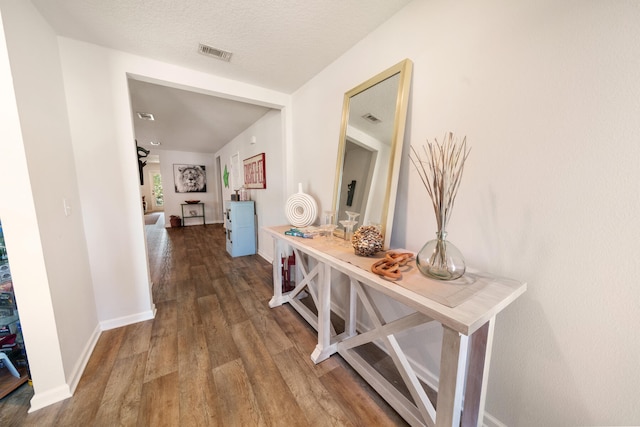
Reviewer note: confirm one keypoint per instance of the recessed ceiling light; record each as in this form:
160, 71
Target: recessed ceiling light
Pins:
156, 143
145, 116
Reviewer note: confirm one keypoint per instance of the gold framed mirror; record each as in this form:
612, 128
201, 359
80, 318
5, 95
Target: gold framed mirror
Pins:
371, 138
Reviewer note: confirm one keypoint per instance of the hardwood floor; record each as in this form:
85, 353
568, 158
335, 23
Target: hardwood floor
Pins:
215, 355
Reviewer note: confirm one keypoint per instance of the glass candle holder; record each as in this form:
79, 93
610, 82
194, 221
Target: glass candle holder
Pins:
348, 231
352, 216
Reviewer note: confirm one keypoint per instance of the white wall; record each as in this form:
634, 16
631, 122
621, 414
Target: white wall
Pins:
47, 250
58, 315
96, 82
548, 95
112, 207
172, 200
269, 202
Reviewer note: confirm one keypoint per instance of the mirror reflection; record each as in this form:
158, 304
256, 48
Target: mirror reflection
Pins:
371, 139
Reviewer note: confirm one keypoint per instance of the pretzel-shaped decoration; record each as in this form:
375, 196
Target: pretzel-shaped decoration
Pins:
389, 266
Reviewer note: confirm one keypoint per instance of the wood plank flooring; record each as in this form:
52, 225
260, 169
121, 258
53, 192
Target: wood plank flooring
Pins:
215, 355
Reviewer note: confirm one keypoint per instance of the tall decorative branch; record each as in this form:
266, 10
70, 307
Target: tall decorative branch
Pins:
440, 167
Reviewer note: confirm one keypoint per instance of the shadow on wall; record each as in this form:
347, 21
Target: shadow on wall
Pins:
516, 379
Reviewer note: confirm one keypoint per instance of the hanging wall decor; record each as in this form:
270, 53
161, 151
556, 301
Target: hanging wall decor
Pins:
225, 177
190, 178
255, 172
142, 153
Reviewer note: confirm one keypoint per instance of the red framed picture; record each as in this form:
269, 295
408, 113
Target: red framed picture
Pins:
255, 172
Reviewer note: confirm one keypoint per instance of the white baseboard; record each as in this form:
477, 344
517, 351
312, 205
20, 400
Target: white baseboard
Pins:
491, 421
78, 370
128, 320
40, 400
265, 256
65, 391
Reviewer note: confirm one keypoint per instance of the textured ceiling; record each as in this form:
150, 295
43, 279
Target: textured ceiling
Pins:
188, 121
278, 44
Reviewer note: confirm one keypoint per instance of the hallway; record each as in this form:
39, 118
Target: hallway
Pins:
215, 354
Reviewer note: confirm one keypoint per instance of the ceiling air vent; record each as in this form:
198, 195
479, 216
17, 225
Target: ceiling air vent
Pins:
145, 116
216, 53
370, 117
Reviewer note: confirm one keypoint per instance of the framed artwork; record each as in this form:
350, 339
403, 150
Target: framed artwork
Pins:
190, 178
255, 173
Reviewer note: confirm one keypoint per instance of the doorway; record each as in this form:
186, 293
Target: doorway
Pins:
357, 175
157, 192
219, 189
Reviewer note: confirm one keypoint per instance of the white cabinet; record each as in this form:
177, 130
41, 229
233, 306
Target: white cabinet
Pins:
240, 224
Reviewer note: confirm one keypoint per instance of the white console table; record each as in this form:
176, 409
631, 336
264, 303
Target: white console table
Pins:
466, 309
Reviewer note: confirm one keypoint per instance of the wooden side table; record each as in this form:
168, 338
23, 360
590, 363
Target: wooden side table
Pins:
467, 326
193, 213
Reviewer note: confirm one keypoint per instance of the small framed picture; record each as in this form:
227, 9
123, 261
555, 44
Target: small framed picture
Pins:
255, 172
190, 178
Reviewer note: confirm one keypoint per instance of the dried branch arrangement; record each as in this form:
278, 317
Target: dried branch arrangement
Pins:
440, 166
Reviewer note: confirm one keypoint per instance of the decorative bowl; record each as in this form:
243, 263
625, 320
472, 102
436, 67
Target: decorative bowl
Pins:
192, 202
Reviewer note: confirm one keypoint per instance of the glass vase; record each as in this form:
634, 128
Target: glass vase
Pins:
440, 259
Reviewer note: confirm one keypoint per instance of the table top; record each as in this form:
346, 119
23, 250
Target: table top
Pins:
464, 305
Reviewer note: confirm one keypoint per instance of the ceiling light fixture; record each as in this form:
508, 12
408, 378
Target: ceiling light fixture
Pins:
145, 116
214, 52
155, 143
